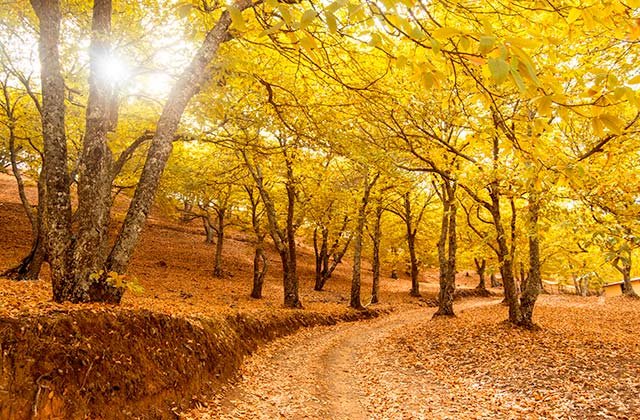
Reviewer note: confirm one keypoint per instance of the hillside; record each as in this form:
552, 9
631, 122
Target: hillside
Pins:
105, 354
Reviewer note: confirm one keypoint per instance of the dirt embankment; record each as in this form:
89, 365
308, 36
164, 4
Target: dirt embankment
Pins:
109, 364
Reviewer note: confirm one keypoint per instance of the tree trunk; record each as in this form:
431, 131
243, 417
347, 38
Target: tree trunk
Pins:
357, 245
494, 281
30, 266
411, 244
377, 234
94, 169
322, 258
447, 247
187, 207
259, 271
480, 269
291, 299
627, 287
58, 199
283, 240
413, 261
188, 84
506, 262
217, 264
532, 285
78, 263
209, 230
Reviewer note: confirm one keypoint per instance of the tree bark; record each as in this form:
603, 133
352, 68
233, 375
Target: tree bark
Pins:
259, 271
357, 246
532, 285
322, 257
209, 230
283, 240
447, 247
411, 245
217, 264
187, 85
94, 169
76, 259
29, 267
58, 200
494, 280
625, 270
480, 269
377, 234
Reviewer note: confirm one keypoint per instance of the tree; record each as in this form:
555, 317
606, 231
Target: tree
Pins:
83, 268
284, 238
411, 221
447, 246
368, 183
10, 103
260, 264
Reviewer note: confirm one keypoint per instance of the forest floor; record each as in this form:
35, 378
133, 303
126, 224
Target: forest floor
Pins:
582, 363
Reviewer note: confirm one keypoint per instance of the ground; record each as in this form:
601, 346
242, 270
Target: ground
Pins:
580, 363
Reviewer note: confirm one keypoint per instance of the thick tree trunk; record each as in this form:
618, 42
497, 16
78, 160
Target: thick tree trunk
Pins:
78, 267
58, 200
94, 169
377, 234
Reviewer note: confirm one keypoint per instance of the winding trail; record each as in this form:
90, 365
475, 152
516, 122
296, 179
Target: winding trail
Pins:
327, 372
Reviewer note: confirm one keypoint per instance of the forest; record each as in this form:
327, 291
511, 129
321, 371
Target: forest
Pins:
319, 209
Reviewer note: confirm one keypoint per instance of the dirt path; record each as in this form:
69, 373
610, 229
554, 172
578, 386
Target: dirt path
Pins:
334, 372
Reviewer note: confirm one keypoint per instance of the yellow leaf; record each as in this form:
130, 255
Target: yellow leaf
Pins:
445, 32
332, 22
574, 15
275, 28
598, 126
486, 44
613, 123
236, 17
308, 43
478, 61
634, 80
544, 106
523, 42
307, 17
499, 69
